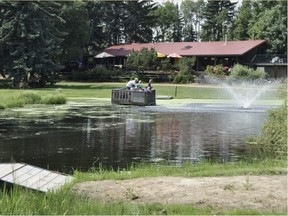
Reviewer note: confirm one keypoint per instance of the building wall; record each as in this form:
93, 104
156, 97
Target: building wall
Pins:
275, 71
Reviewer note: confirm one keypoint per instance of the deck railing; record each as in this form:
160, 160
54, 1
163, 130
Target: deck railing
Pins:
270, 58
124, 96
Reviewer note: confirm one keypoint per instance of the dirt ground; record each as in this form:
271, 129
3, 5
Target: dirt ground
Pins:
250, 192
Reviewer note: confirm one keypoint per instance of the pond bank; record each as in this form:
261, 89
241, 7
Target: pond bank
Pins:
268, 193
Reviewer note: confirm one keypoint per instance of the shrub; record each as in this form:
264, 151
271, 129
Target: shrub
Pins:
13, 103
28, 98
186, 71
272, 141
22, 99
246, 73
55, 98
31, 98
217, 70
179, 78
143, 59
100, 74
208, 70
165, 65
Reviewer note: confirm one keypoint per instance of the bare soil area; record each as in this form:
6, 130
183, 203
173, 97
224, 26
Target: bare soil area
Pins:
250, 192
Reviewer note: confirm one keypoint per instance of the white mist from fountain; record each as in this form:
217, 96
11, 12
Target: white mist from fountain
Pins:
246, 93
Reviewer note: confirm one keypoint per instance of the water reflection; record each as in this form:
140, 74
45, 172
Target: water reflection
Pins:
116, 136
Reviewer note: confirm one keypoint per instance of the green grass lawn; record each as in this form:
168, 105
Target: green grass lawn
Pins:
103, 90
25, 202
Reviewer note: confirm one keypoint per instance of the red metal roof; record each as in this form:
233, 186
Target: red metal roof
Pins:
216, 48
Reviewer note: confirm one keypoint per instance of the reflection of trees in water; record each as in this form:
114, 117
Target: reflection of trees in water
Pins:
114, 141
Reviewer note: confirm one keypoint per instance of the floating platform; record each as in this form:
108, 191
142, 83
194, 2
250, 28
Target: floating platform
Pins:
32, 177
127, 97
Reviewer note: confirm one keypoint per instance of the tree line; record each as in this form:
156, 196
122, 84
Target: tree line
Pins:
37, 38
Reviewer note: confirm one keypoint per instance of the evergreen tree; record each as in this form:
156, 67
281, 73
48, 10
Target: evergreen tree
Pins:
99, 38
177, 29
30, 42
243, 22
189, 33
167, 19
113, 22
138, 20
78, 29
106, 20
192, 16
218, 17
119, 22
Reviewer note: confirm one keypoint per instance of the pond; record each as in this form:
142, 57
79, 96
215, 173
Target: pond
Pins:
86, 134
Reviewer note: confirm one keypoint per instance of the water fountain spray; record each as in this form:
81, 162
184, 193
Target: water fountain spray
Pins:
246, 93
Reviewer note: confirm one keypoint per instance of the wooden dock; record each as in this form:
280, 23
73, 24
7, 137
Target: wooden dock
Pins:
32, 177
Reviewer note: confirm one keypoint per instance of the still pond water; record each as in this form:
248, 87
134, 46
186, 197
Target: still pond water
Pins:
89, 133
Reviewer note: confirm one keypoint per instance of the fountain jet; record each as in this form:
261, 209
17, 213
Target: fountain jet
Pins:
246, 93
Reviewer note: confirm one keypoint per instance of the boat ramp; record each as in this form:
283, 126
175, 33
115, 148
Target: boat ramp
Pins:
32, 177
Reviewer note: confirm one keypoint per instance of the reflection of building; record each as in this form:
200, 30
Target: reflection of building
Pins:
166, 142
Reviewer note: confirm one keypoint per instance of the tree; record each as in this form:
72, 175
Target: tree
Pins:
243, 21
177, 26
265, 20
167, 18
138, 21
78, 29
192, 15
218, 17
143, 59
99, 38
271, 26
186, 65
30, 42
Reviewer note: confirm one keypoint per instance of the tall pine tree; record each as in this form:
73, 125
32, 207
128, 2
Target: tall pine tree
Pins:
218, 17
138, 21
192, 15
30, 43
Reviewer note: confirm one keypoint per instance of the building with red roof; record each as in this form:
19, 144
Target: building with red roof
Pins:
226, 53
